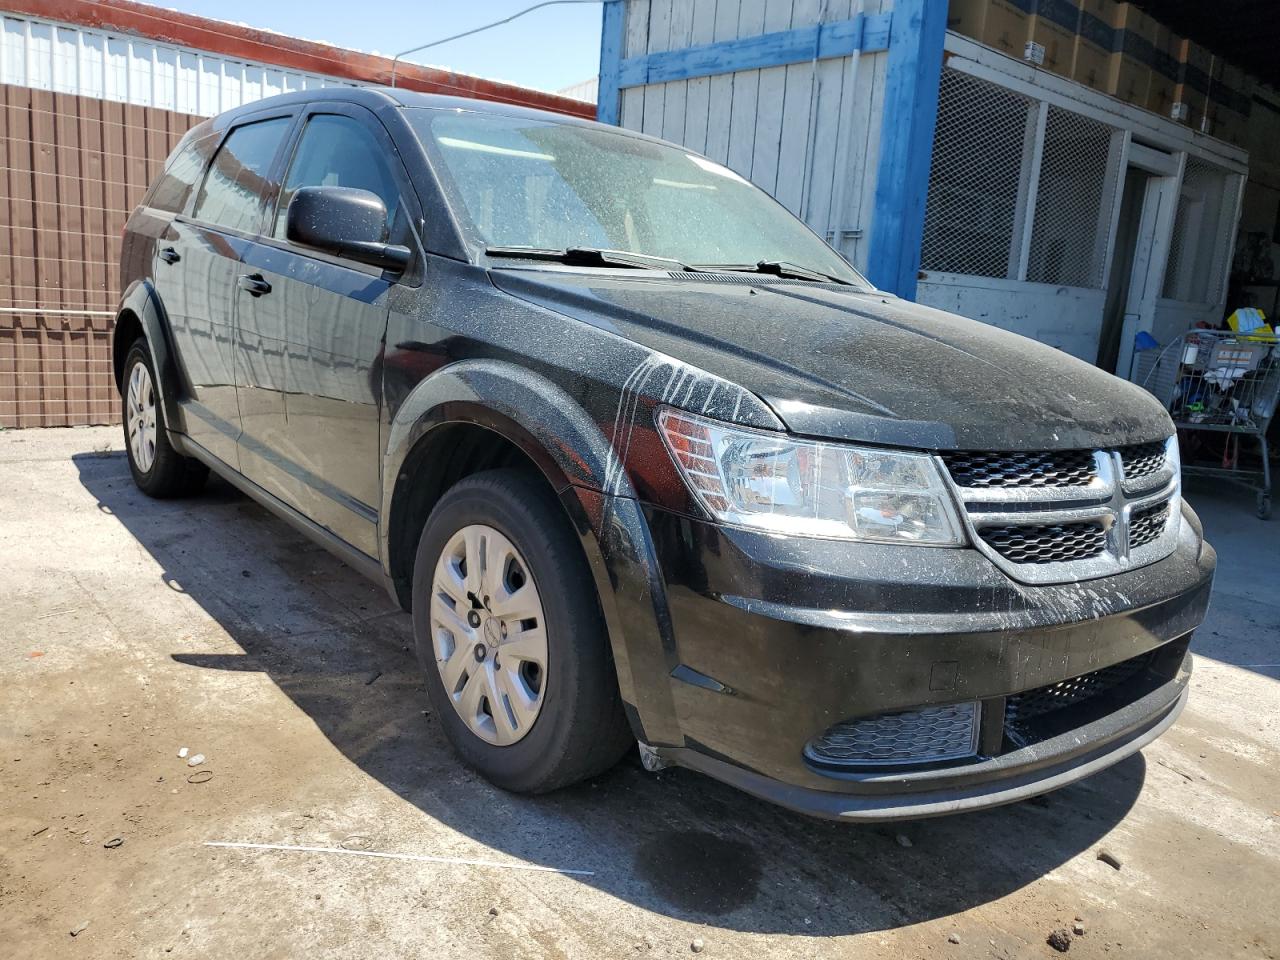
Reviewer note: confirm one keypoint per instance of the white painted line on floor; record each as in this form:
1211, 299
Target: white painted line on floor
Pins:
419, 858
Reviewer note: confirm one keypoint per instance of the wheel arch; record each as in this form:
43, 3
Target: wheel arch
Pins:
477, 414
142, 315
544, 428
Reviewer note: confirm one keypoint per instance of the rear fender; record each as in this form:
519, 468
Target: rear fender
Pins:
143, 302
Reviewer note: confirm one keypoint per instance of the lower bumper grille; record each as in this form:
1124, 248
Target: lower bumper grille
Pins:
927, 735
1044, 712
1036, 703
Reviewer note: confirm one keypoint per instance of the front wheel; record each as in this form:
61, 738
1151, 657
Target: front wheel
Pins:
511, 639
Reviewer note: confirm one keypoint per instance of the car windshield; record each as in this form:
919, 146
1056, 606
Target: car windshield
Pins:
541, 185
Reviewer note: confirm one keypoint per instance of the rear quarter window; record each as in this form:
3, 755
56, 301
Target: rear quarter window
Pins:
181, 174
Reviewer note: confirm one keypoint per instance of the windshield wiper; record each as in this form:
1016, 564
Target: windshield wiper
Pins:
588, 257
777, 268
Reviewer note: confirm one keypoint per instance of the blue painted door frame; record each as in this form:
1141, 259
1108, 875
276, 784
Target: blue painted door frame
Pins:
913, 33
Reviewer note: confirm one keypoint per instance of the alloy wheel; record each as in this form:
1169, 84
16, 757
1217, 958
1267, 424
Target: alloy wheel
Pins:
488, 634
140, 417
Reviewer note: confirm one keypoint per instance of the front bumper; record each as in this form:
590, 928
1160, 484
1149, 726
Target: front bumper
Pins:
773, 640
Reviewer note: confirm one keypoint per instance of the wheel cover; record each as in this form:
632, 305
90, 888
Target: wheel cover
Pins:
140, 417
489, 634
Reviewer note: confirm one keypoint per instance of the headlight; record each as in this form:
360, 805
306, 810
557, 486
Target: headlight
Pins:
772, 482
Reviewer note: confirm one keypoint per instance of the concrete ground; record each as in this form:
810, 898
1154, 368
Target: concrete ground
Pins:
130, 628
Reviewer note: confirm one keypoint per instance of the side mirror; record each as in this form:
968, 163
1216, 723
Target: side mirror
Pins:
346, 222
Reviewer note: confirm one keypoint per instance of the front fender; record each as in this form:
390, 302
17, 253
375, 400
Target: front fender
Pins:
141, 300
525, 407
579, 462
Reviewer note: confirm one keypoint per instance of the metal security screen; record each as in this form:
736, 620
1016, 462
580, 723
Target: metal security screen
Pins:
1076, 193
1201, 234
1018, 189
980, 148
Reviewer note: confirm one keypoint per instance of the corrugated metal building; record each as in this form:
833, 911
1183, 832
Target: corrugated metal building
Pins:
949, 172
93, 96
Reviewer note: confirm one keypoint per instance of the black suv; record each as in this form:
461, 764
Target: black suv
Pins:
648, 461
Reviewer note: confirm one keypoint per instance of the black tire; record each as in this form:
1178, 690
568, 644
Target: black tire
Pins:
581, 729
170, 474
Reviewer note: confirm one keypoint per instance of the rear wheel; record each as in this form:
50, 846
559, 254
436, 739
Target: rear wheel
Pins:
510, 636
157, 468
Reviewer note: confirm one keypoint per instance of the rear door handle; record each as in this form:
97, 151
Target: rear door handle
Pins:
170, 255
254, 284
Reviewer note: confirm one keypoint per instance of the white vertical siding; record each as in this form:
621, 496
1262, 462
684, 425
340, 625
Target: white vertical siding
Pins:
807, 133
95, 63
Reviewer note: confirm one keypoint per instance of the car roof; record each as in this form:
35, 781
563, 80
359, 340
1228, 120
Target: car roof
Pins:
382, 97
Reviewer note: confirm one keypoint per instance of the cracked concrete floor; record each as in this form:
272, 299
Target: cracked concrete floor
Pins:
130, 628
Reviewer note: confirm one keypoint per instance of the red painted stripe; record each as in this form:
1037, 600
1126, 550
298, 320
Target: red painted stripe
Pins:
247, 43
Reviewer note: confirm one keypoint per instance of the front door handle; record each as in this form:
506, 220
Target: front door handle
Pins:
170, 255
254, 284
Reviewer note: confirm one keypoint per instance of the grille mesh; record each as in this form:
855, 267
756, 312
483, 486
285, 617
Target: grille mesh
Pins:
1058, 468
1147, 524
977, 163
926, 735
1023, 707
1046, 543
1074, 202
1142, 460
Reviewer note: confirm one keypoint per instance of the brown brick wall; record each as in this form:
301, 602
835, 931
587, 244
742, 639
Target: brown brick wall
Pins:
71, 169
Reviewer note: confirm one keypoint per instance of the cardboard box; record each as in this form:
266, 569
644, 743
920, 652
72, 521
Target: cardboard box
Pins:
1096, 27
1195, 63
1132, 52
1194, 101
1091, 63
1165, 51
1161, 94
1230, 104
1001, 24
1128, 19
1053, 25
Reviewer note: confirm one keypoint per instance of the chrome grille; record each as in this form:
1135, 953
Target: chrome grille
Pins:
1047, 543
1069, 515
1058, 468
927, 735
1141, 461
1147, 524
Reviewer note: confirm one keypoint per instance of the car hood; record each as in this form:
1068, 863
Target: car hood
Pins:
846, 364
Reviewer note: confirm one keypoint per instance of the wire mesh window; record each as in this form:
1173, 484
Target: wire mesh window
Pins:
1074, 201
981, 146
1201, 234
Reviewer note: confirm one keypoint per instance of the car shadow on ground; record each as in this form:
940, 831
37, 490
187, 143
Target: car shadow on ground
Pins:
677, 843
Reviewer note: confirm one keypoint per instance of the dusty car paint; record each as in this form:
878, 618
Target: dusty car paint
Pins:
732, 648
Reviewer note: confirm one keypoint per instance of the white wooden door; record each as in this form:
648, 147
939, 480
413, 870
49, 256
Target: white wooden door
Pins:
1151, 253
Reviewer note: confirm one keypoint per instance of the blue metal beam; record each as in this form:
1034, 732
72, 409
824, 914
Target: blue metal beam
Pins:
612, 39
906, 144
839, 39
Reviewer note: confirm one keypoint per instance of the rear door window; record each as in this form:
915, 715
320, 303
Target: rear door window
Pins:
338, 151
237, 179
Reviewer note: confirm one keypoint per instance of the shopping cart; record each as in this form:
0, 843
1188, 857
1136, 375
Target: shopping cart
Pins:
1222, 382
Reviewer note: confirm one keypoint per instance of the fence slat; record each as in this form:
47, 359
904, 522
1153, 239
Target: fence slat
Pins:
71, 169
